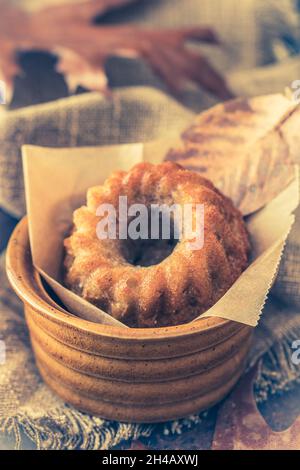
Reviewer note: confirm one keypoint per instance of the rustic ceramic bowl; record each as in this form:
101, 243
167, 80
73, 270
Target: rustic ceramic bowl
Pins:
126, 374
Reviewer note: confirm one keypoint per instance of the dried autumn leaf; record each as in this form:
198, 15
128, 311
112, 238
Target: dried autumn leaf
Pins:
138, 445
83, 47
247, 147
240, 426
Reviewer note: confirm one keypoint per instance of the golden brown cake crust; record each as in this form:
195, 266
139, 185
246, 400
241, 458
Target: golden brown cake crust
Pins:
184, 284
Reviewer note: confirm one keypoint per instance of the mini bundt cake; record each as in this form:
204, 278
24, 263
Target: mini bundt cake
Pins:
144, 283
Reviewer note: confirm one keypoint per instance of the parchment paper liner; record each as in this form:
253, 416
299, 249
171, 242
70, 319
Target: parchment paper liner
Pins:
56, 181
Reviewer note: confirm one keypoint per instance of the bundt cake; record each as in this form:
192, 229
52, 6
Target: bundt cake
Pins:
153, 283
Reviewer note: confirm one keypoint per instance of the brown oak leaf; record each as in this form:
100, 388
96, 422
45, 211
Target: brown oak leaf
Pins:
247, 147
83, 47
240, 426
138, 445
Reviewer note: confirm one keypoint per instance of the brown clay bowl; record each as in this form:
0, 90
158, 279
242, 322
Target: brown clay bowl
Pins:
126, 374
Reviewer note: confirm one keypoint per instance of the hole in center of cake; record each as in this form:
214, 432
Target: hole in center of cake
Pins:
156, 241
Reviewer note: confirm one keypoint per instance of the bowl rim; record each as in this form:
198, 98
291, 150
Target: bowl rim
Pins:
18, 269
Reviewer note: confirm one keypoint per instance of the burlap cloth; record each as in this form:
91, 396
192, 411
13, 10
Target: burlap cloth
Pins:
27, 407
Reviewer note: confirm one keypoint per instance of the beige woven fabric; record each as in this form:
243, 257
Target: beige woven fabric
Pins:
134, 115
287, 286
